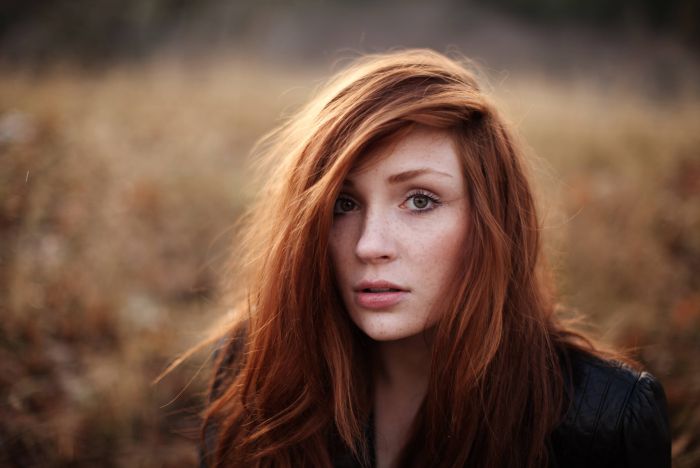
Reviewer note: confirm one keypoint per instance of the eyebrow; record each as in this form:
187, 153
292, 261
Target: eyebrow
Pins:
412, 174
406, 175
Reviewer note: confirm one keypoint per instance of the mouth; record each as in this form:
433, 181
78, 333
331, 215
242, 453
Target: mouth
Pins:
379, 290
379, 295
378, 286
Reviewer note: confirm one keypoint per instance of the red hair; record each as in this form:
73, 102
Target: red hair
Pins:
299, 385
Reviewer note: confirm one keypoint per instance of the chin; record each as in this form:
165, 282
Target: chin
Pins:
388, 326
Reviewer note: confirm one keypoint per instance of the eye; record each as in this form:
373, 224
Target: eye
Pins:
422, 201
344, 205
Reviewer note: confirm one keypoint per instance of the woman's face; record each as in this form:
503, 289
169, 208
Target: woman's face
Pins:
399, 226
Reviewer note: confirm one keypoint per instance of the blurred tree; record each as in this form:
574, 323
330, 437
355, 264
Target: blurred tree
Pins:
95, 32
32, 30
680, 17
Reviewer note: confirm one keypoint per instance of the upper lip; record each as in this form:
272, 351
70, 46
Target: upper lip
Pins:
377, 284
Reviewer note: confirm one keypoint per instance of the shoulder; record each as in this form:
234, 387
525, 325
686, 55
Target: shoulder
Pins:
616, 417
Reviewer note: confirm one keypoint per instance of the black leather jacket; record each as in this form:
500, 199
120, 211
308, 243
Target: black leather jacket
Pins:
617, 418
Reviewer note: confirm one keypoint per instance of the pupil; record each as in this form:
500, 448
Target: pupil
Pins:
420, 201
347, 205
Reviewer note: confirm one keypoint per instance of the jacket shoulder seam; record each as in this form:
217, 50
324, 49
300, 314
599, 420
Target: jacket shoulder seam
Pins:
625, 404
599, 412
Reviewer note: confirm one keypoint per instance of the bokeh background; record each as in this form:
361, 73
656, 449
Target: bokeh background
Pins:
125, 133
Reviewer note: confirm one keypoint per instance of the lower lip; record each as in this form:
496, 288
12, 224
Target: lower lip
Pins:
379, 300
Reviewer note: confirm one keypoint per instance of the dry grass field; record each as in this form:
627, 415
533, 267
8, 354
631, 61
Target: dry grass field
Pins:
119, 190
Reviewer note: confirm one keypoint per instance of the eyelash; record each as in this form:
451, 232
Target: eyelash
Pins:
433, 199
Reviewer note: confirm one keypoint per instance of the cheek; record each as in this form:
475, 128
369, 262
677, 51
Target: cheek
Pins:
440, 251
340, 250
454, 239
438, 263
443, 240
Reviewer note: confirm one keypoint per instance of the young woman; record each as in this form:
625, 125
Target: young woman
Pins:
394, 307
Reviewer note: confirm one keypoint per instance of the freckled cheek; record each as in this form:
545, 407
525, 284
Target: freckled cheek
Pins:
440, 240
341, 252
437, 251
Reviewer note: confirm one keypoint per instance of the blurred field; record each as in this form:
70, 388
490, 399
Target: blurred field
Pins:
119, 190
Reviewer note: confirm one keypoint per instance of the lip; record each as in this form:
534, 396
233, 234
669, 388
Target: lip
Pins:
377, 284
378, 300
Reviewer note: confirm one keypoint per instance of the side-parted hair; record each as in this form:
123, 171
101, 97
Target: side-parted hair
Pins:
296, 385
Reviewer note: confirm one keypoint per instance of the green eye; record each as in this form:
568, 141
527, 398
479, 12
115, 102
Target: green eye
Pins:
421, 202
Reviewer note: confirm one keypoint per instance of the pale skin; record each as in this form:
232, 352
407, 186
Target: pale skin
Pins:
398, 235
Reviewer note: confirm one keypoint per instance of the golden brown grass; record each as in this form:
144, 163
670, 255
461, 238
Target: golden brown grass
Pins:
118, 190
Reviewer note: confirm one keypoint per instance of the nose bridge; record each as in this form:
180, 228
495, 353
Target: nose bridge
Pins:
376, 240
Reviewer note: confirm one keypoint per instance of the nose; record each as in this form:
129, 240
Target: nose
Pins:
377, 243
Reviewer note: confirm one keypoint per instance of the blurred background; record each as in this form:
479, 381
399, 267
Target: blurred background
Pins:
125, 132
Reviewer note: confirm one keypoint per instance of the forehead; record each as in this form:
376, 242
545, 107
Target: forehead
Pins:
419, 147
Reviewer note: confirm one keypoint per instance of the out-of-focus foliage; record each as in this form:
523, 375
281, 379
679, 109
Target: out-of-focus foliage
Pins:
117, 197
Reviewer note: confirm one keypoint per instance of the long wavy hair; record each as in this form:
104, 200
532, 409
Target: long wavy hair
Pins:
294, 383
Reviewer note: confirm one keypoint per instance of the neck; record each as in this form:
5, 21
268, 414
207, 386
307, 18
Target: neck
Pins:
401, 381
405, 363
